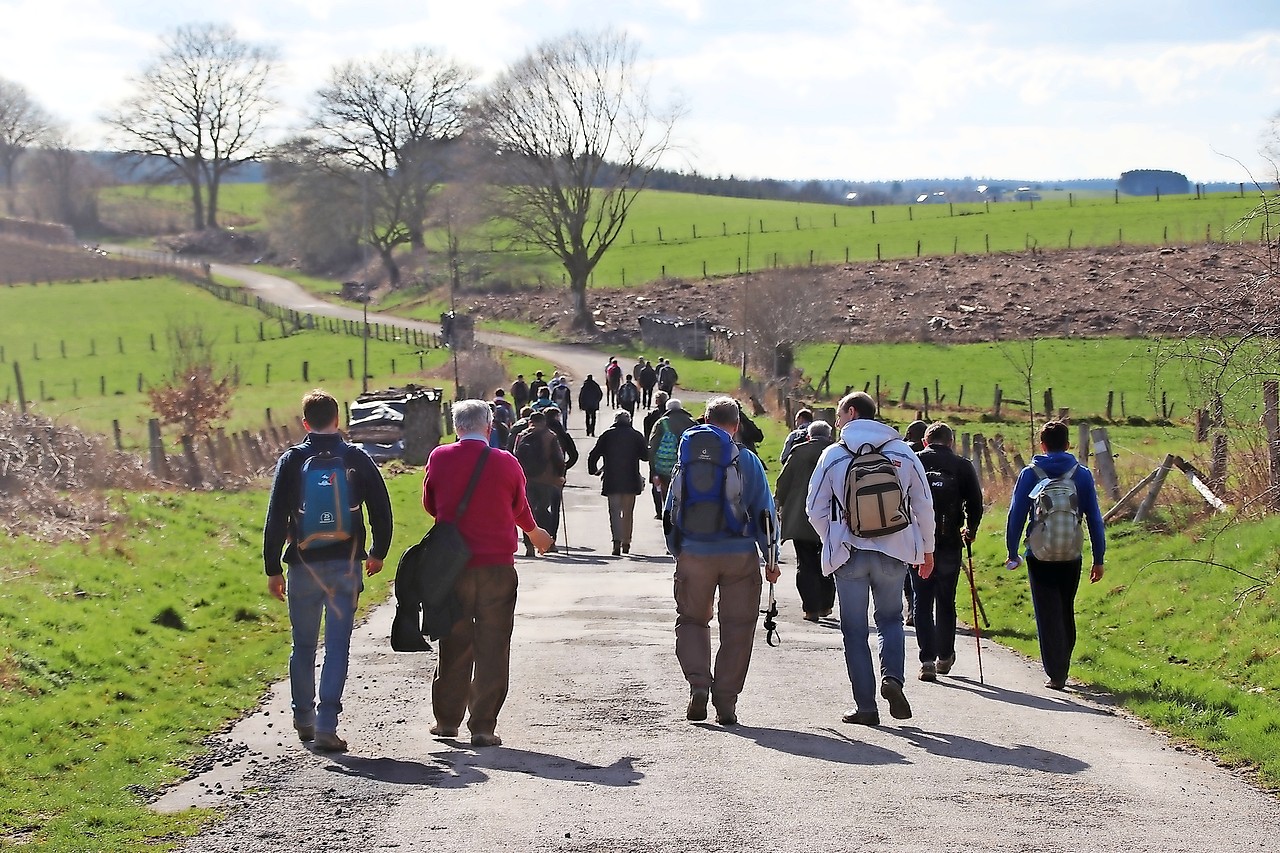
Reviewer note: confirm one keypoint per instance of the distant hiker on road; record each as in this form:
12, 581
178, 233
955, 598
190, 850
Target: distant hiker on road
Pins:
628, 396
474, 666
562, 396
589, 397
1054, 492
620, 450
567, 445
647, 377
542, 401
315, 503
817, 590
538, 451
651, 417
664, 442
870, 503
799, 435
537, 383
521, 396
667, 377
612, 379
957, 512
719, 513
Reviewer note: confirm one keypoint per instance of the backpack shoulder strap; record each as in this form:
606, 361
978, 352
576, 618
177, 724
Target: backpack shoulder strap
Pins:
1039, 472
471, 486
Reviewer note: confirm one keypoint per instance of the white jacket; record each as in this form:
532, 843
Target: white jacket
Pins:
826, 487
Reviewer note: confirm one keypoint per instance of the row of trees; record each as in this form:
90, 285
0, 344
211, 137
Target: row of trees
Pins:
557, 147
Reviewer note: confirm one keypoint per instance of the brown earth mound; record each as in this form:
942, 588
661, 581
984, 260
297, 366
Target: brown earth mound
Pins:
961, 298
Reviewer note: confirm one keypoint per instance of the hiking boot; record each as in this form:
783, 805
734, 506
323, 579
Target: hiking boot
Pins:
306, 733
891, 690
485, 740
811, 617
617, 548
727, 718
626, 547
910, 621
944, 664
697, 710
1056, 684
928, 671
444, 731
330, 742
862, 718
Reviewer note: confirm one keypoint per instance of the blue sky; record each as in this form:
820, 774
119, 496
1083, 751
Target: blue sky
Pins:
856, 89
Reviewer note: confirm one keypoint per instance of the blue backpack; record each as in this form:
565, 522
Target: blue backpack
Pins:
707, 487
328, 511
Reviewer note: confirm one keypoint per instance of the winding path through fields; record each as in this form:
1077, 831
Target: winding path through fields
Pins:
598, 756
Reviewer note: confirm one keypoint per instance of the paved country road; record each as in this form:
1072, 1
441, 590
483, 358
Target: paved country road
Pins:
597, 755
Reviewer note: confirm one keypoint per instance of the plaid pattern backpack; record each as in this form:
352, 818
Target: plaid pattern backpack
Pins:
1055, 535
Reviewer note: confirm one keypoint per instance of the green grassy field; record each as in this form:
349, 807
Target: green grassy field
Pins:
81, 349
167, 207
107, 686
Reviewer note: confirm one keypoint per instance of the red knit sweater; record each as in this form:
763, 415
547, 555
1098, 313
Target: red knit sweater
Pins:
497, 507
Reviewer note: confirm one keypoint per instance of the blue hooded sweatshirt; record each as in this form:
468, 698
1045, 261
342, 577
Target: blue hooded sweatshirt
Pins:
1055, 464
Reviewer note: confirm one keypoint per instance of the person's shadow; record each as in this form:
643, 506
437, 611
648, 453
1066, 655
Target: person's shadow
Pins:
462, 766
967, 749
835, 747
1015, 697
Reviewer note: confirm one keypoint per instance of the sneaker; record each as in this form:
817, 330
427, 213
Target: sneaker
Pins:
444, 731
697, 710
928, 671
862, 718
891, 690
485, 740
944, 664
330, 742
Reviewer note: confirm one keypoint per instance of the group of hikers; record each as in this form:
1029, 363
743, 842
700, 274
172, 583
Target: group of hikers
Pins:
867, 513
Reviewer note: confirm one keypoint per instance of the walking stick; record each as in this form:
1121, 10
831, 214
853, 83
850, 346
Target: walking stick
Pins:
973, 593
986, 623
564, 521
771, 612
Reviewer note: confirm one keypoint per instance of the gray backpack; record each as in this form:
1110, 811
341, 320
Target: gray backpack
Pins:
1055, 535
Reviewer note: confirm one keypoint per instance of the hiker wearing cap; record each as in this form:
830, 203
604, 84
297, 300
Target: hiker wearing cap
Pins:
719, 513
664, 440
534, 386
1051, 496
817, 591
957, 512
616, 457
870, 504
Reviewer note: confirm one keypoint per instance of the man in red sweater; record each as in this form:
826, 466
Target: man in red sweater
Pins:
475, 658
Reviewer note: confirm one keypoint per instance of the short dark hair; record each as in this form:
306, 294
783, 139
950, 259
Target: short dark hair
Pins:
320, 409
537, 419
805, 415
939, 433
1055, 436
861, 402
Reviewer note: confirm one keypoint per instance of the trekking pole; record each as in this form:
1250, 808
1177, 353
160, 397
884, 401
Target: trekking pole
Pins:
771, 611
977, 632
564, 521
986, 623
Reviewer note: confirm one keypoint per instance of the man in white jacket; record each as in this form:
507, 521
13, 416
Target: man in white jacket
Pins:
867, 569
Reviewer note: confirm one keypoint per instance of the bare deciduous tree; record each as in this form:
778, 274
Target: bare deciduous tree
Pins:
62, 183
23, 123
200, 106
388, 125
776, 313
577, 139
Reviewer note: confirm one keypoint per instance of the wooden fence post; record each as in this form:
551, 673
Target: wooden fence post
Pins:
995, 406
193, 465
1144, 508
159, 466
1271, 422
1082, 441
978, 465
22, 394
115, 431
1104, 464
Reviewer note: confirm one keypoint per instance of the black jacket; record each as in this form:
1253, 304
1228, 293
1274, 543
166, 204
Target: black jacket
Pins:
590, 395
941, 458
567, 443
621, 448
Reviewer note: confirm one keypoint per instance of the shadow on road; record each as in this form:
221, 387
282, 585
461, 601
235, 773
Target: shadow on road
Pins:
968, 749
395, 771
1015, 697
462, 767
840, 748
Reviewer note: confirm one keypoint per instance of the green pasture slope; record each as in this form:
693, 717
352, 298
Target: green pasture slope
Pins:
679, 235
119, 655
242, 205
72, 341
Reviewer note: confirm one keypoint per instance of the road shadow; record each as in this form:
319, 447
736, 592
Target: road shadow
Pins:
1057, 702
463, 766
835, 747
967, 749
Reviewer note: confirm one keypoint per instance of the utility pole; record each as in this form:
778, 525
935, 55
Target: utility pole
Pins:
364, 371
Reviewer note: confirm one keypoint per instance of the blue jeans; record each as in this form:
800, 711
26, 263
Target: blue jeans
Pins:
870, 575
331, 587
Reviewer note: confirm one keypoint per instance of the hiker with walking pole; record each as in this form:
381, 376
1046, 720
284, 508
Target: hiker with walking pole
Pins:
957, 512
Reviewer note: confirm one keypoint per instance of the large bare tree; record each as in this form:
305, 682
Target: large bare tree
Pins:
200, 105
573, 128
23, 124
388, 125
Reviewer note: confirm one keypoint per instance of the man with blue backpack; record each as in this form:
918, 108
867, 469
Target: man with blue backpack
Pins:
664, 444
320, 488
1055, 492
719, 513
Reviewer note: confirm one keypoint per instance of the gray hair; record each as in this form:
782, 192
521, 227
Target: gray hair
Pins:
819, 429
471, 416
722, 411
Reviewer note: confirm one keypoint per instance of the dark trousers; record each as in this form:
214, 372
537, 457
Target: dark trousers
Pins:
590, 416
646, 396
1053, 595
544, 501
935, 599
817, 591
475, 658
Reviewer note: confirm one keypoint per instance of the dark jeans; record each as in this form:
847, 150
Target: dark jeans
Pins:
817, 591
936, 605
1053, 595
544, 501
590, 416
646, 396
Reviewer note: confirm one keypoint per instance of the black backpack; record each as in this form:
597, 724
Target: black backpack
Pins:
531, 452
945, 486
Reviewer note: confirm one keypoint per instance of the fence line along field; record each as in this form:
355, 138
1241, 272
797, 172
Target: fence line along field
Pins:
89, 351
